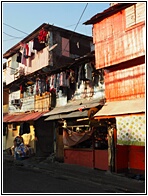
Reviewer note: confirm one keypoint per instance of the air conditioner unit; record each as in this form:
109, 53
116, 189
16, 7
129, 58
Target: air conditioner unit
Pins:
15, 102
12, 102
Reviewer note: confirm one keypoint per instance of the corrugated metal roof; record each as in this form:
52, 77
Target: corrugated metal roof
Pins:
16, 118
74, 106
108, 12
69, 115
32, 35
21, 117
32, 116
7, 117
115, 108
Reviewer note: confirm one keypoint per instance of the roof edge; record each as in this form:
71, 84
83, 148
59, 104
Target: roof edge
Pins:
108, 12
16, 47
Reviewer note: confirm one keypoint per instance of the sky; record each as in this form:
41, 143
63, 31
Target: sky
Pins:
21, 18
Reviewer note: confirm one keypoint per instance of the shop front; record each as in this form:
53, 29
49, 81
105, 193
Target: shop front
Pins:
129, 134
92, 147
86, 145
85, 141
69, 115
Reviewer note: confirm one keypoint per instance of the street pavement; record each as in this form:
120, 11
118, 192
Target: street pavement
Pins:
120, 182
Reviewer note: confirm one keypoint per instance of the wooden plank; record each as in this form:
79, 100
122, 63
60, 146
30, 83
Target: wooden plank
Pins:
140, 12
130, 16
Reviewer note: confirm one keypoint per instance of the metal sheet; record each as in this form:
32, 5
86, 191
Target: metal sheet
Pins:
121, 108
75, 106
32, 116
21, 117
69, 115
7, 117
17, 117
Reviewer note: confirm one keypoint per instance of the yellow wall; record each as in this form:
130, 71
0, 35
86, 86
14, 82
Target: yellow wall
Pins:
5, 108
28, 138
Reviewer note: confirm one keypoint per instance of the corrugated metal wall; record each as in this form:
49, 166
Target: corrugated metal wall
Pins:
125, 84
116, 40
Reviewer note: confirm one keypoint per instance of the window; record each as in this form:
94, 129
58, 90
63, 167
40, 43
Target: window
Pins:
65, 47
135, 14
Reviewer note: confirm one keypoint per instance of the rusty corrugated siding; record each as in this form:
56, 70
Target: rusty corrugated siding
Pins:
114, 43
125, 83
108, 12
9, 118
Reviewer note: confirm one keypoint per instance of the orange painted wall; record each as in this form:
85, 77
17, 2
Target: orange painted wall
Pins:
114, 43
125, 84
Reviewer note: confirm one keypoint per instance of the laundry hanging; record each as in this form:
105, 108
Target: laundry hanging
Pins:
37, 45
42, 36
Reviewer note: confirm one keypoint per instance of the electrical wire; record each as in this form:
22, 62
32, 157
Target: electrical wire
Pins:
12, 36
28, 34
10, 39
74, 30
81, 16
15, 28
74, 24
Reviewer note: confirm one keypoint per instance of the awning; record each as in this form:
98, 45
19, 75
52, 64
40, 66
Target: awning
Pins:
69, 115
75, 106
116, 108
32, 116
21, 117
7, 117
73, 109
17, 117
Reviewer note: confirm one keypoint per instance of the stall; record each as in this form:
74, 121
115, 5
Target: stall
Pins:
80, 139
86, 145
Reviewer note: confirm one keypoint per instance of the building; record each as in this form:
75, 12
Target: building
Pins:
119, 39
32, 69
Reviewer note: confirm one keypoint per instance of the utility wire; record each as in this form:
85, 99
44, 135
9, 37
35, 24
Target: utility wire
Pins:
28, 34
69, 38
75, 28
11, 35
74, 24
5, 40
15, 28
81, 16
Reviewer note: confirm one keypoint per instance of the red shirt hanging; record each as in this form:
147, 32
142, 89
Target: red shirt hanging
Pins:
42, 36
